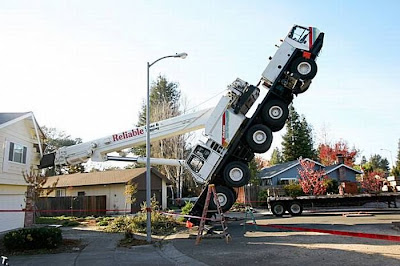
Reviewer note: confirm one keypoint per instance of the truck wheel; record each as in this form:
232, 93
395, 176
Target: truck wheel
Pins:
274, 114
259, 138
278, 209
226, 198
304, 68
295, 208
236, 174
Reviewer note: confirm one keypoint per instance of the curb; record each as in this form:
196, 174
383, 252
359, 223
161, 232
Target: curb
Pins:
168, 250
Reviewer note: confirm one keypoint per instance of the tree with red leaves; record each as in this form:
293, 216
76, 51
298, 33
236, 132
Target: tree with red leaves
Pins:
372, 181
311, 180
328, 154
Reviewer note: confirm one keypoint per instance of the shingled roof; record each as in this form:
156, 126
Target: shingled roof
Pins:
272, 171
7, 117
100, 178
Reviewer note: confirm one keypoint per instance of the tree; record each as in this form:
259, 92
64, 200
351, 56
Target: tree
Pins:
255, 166
313, 182
372, 181
298, 141
396, 167
328, 154
376, 164
276, 157
130, 191
56, 139
165, 103
36, 189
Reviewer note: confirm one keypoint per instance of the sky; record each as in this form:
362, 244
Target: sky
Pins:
80, 66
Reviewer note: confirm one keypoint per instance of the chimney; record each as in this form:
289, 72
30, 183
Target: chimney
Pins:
340, 158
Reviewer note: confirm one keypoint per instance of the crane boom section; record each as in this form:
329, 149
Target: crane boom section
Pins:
97, 150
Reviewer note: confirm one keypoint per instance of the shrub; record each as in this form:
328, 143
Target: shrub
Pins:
160, 224
33, 238
293, 190
263, 196
332, 186
102, 223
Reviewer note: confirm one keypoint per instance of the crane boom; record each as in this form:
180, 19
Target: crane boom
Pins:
97, 149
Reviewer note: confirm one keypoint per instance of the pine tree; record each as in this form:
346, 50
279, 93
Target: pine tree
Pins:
298, 141
396, 167
276, 157
164, 104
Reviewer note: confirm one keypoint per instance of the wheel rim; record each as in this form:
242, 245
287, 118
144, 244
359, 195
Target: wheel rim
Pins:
236, 174
304, 68
275, 112
295, 208
278, 209
222, 199
259, 137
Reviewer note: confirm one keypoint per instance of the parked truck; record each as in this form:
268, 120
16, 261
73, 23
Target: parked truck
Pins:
294, 205
234, 129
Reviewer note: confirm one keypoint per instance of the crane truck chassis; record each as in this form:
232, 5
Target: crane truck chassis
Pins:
233, 134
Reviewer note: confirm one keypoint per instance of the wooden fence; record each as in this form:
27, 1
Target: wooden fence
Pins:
72, 206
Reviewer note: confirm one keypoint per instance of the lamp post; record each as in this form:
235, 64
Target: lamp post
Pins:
148, 168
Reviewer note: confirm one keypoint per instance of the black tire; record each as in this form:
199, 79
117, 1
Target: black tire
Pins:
295, 208
236, 174
259, 138
278, 209
275, 114
304, 68
226, 197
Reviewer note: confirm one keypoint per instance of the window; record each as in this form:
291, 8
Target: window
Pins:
81, 193
195, 163
299, 34
17, 153
60, 193
287, 181
202, 152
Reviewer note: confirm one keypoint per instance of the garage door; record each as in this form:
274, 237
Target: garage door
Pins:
11, 219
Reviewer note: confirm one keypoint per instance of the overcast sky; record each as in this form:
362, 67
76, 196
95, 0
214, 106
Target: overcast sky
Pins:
80, 66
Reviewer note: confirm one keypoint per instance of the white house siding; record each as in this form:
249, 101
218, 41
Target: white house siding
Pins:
12, 183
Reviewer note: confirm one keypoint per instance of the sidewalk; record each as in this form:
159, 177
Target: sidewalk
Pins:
102, 249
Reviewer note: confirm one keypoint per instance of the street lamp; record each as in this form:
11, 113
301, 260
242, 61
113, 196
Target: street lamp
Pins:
148, 168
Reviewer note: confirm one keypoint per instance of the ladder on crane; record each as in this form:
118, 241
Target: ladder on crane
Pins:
212, 191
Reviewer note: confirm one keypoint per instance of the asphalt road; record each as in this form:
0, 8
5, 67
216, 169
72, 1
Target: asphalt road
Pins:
271, 246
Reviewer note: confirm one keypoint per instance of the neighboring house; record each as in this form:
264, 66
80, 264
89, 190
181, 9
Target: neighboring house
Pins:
285, 173
112, 185
342, 172
21, 143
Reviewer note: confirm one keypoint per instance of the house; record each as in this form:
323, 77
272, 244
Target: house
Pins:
112, 185
21, 142
285, 173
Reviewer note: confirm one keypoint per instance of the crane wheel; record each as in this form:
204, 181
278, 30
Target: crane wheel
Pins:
275, 114
304, 68
236, 174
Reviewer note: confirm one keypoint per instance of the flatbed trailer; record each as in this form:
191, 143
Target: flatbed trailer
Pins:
295, 205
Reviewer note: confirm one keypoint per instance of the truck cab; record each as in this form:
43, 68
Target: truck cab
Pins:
293, 64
